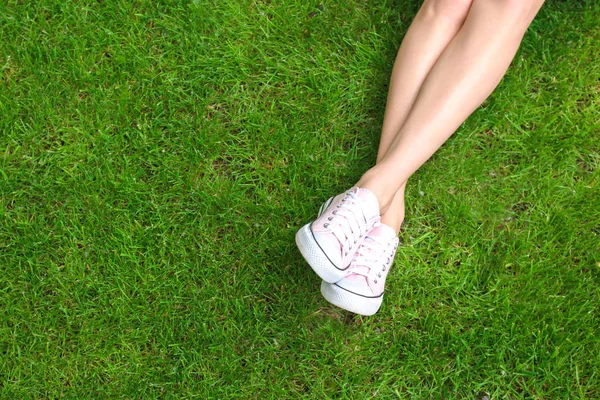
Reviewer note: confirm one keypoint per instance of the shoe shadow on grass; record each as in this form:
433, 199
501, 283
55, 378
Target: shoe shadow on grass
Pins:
291, 288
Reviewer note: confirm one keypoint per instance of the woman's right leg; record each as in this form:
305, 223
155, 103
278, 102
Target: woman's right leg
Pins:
329, 243
434, 26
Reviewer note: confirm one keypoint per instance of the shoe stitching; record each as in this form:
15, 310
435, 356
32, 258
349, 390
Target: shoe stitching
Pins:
358, 294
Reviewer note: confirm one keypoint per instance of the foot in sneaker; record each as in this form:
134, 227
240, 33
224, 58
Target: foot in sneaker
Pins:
329, 243
361, 290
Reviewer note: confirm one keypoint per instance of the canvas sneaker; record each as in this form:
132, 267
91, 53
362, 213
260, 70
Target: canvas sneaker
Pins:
361, 290
328, 244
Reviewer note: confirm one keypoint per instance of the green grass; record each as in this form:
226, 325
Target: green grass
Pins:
157, 157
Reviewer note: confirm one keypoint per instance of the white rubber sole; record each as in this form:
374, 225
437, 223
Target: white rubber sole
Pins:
315, 257
350, 301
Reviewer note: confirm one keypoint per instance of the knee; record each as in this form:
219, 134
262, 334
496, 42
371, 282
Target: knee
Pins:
453, 10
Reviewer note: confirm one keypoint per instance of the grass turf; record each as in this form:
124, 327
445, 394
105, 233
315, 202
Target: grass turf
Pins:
156, 159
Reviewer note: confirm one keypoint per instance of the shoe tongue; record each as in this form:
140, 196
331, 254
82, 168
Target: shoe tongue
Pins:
371, 205
383, 232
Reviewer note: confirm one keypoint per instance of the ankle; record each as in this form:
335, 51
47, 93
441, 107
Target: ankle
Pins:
379, 188
394, 219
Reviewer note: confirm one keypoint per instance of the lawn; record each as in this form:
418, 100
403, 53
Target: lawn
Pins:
157, 158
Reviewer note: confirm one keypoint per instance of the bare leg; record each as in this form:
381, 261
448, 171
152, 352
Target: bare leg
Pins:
434, 26
464, 75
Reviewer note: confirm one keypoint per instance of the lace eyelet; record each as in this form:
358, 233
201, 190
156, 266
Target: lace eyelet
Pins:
329, 219
375, 281
325, 225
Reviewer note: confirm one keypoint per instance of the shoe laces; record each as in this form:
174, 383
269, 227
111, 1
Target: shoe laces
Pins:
373, 258
349, 224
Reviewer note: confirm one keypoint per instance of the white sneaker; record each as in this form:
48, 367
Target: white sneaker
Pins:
328, 244
361, 290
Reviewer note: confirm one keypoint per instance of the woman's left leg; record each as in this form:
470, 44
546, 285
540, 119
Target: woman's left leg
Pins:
465, 74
